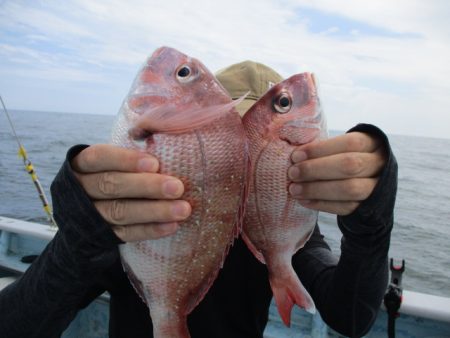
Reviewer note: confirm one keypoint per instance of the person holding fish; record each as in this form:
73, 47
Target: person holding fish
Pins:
119, 195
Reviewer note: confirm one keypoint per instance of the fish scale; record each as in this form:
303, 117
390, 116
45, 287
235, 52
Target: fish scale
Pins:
191, 127
276, 226
206, 256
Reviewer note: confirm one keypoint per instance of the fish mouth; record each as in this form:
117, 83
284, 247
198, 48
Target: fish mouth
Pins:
139, 134
300, 131
158, 52
144, 108
145, 102
142, 105
312, 123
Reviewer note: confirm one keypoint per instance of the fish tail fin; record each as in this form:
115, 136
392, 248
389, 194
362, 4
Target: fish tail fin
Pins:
169, 324
287, 292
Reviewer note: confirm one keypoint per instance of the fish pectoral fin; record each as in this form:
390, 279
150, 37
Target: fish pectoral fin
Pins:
173, 120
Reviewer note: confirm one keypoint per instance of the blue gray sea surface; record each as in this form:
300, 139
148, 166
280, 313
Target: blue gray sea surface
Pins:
421, 232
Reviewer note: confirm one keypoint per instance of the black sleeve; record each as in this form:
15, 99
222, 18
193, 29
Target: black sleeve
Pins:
43, 301
348, 292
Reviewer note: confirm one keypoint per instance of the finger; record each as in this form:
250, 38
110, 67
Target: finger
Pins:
128, 211
113, 185
337, 167
142, 232
351, 142
106, 157
357, 189
332, 207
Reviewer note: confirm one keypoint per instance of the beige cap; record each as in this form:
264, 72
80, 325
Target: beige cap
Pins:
240, 78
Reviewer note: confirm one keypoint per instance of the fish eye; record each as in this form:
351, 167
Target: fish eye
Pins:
184, 73
282, 103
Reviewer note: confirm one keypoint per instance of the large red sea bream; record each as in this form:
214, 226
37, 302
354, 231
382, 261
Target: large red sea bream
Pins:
276, 226
188, 122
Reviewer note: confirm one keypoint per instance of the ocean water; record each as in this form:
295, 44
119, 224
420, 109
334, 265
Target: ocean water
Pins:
421, 234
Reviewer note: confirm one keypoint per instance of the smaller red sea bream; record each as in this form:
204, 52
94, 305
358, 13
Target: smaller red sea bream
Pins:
187, 120
276, 226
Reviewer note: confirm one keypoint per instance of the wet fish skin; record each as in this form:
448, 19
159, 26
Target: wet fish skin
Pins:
276, 226
190, 125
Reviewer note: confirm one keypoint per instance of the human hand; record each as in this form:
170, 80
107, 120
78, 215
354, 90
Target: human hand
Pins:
129, 193
337, 174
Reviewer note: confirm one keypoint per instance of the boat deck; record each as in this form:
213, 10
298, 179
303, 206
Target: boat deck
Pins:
421, 315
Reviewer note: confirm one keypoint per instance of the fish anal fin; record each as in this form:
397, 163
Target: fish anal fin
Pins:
244, 191
197, 295
134, 281
253, 248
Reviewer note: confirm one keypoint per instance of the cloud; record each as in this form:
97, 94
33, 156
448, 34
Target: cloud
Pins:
381, 61
428, 18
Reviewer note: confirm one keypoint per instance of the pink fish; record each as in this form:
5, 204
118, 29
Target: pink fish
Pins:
189, 123
276, 226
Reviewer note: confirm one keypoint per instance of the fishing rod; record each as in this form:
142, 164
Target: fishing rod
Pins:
30, 169
394, 296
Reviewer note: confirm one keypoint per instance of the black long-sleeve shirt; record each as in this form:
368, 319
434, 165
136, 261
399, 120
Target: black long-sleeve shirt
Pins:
82, 261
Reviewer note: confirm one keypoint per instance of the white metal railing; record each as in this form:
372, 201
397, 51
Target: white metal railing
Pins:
18, 226
414, 303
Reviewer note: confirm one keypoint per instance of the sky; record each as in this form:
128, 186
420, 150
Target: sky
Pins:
384, 62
